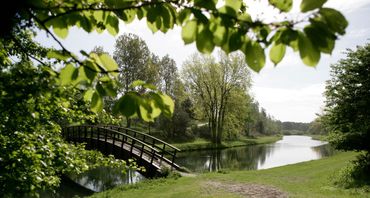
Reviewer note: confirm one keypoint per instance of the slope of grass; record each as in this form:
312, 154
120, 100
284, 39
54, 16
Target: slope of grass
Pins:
307, 179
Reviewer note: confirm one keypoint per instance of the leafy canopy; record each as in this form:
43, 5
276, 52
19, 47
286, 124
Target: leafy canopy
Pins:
224, 24
347, 116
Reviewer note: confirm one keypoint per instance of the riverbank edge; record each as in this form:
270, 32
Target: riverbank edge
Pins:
305, 179
318, 137
201, 144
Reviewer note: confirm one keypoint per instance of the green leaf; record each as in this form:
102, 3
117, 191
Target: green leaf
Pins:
219, 34
335, 20
254, 55
128, 15
137, 83
150, 86
245, 17
152, 26
204, 40
321, 37
66, 74
108, 62
169, 105
110, 89
208, 4
85, 22
189, 31
88, 95
112, 25
61, 32
307, 5
100, 89
277, 52
127, 105
309, 53
90, 74
82, 77
58, 54
235, 41
183, 16
148, 110
287, 36
282, 5
96, 103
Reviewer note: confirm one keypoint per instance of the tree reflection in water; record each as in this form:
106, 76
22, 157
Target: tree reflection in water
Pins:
292, 149
242, 158
104, 178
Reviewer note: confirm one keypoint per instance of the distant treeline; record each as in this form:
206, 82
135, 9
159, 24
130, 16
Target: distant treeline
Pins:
299, 128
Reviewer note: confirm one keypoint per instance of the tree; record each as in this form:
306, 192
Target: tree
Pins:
236, 119
132, 56
347, 102
169, 75
346, 113
213, 82
316, 127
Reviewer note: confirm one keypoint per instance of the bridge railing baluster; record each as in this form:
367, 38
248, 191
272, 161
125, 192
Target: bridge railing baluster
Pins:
173, 159
132, 145
141, 151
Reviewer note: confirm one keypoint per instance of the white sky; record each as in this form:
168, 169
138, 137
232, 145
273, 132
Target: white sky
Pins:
289, 92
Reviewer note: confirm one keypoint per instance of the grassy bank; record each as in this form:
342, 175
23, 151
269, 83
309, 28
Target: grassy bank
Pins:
307, 179
201, 144
318, 137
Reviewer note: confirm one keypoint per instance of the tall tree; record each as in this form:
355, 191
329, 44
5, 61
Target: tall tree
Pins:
213, 82
346, 113
169, 74
347, 105
133, 57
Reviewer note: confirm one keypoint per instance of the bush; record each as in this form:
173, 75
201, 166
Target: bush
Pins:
356, 174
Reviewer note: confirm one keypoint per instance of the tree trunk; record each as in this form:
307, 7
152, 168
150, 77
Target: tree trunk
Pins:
128, 122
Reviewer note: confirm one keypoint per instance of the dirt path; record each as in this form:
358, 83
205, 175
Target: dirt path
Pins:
247, 190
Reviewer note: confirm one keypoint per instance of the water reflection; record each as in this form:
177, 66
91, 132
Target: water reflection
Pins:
289, 150
104, 178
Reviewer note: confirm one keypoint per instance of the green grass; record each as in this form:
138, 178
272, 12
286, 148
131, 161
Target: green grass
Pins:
318, 137
307, 179
201, 144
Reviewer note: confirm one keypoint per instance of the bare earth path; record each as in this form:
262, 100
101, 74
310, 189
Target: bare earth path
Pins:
247, 190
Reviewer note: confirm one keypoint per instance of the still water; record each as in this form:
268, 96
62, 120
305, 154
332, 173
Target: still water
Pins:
289, 150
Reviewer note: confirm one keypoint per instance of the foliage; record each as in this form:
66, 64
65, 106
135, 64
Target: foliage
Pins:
258, 122
33, 153
211, 84
227, 25
236, 119
317, 127
355, 174
132, 56
347, 116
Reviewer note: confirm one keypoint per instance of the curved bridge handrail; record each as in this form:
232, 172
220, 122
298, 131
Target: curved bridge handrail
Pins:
147, 135
117, 132
152, 151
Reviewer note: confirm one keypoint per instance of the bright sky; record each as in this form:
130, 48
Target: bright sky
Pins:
289, 92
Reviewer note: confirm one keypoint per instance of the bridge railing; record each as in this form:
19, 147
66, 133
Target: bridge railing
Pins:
143, 150
165, 148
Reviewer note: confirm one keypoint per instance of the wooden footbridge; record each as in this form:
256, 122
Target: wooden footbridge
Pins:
124, 143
